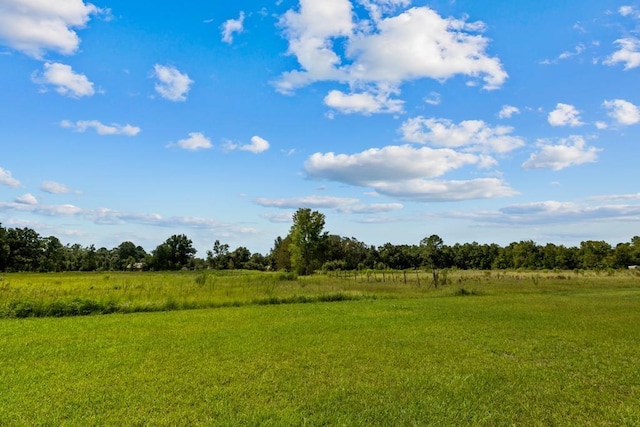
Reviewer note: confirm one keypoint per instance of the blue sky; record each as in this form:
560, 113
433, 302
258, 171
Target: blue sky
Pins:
493, 121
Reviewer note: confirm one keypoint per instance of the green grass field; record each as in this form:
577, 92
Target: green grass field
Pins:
521, 349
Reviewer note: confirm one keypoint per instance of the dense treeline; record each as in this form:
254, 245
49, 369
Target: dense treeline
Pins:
307, 249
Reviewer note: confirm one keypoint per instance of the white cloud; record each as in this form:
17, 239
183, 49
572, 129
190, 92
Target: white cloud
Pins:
53, 187
434, 98
629, 11
316, 202
258, 145
391, 163
36, 26
196, 141
554, 212
231, 27
474, 135
423, 190
565, 115
101, 129
27, 199
629, 53
623, 112
406, 172
6, 178
172, 84
66, 81
363, 103
339, 204
384, 52
508, 111
601, 125
571, 151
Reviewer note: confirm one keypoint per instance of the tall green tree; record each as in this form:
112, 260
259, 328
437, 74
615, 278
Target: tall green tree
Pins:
174, 254
307, 241
433, 255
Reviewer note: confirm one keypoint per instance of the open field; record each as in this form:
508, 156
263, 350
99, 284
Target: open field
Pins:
523, 349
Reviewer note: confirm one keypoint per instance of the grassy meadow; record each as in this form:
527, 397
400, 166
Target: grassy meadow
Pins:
488, 349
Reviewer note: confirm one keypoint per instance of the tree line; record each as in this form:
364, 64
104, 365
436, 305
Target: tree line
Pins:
308, 248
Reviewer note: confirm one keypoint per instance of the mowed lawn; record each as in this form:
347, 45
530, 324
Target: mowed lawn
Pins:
569, 357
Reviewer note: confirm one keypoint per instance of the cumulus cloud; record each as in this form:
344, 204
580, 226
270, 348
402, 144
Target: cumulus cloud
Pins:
171, 84
508, 111
407, 172
195, 142
258, 145
564, 115
382, 53
27, 199
623, 112
101, 129
628, 53
473, 135
231, 27
391, 163
34, 27
6, 178
363, 103
570, 151
66, 81
53, 187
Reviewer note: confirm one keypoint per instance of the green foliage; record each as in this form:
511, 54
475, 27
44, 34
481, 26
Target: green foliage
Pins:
307, 241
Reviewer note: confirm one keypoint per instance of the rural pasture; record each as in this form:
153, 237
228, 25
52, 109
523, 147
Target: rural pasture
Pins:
238, 348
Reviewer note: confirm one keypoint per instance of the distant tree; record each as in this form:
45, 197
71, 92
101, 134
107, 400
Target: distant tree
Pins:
432, 253
218, 258
280, 257
239, 258
307, 240
174, 254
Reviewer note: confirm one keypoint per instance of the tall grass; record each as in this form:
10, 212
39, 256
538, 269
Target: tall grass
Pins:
72, 294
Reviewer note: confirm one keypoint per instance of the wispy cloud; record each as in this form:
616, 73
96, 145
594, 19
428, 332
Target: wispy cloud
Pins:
231, 27
100, 128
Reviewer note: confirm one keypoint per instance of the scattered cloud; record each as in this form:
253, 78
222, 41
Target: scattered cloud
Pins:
623, 112
231, 27
508, 111
554, 212
101, 129
346, 205
195, 142
171, 84
423, 190
279, 217
434, 99
568, 152
27, 199
258, 145
384, 52
628, 53
629, 11
365, 103
472, 135
105, 216
6, 178
406, 172
34, 27
66, 81
53, 187
315, 202
565, 115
